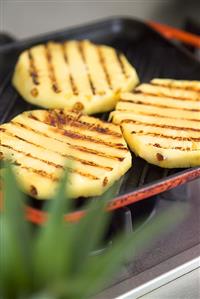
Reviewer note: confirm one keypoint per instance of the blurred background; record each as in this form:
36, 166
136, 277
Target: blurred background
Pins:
24, 18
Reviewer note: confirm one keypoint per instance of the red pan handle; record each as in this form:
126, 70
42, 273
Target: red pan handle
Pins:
173, 33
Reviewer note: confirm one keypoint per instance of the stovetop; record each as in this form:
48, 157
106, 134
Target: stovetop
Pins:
171, 250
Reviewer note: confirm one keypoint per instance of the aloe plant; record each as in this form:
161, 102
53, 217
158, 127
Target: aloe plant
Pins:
54, 261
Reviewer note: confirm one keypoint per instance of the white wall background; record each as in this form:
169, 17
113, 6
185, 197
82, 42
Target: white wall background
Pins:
31, 17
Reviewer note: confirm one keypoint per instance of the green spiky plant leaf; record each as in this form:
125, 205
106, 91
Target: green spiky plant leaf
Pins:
55, 261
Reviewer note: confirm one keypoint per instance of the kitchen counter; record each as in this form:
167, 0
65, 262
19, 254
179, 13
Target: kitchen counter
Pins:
184, 287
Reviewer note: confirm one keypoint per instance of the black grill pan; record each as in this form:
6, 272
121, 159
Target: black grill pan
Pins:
152, 55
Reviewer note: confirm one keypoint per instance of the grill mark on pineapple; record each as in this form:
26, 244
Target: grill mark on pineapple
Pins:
51, 176
160, 157
74, 87
141, 132
78, 136
96, 153
32, 69
104, 66
159, 126
93, 127
59, 118
80, 46
161, 94
105, 181
1, 156
121, 64
33, 190
172, 86
172, 147
41, 173
51, 69
73, 146
59, 166
157, 105
70, 157
158, 115
167, 97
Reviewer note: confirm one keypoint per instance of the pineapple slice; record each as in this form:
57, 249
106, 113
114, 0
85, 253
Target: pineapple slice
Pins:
161, 122
40, 142
74, 75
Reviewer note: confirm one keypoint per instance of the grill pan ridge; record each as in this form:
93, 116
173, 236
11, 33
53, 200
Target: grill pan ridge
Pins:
153, 56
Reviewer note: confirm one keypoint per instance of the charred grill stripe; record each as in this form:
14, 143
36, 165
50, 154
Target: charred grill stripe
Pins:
77, 147
80, 46
172, 86
96, 153
62, 119
51, 70
104, 67
159, 115
93, 127
166, 96
74, 87
158, 105
41, 173
125, 101
50, 176
121, 64
32, 69
166, 136
89, 163
1, 156
160, 126
78, 136
72, 170
70, 157
28, 154
84, 174
180, 148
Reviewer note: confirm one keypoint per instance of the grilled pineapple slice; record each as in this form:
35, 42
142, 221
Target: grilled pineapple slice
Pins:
74, 75
39, 143
161, 122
